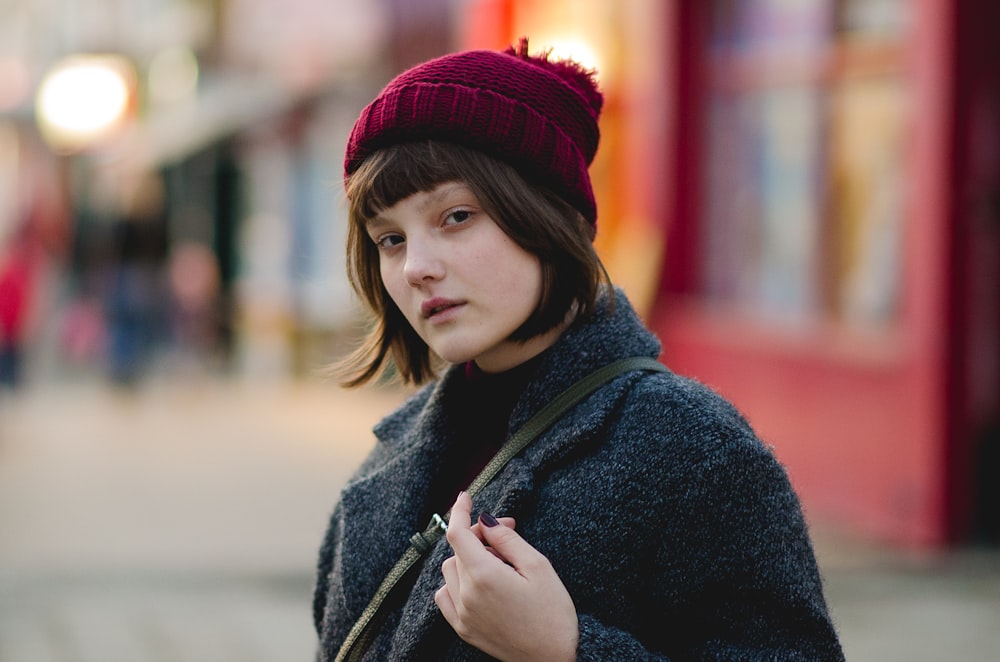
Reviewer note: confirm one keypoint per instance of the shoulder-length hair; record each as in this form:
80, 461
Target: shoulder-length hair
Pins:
536, 219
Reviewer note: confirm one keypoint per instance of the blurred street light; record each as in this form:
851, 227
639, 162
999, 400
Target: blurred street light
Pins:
83, 99
578, 50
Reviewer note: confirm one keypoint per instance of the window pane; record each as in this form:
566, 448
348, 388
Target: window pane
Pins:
866, 213
802, 212
764, 171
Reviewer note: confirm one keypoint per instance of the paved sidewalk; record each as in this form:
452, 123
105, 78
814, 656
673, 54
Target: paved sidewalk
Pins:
180, 523
176, 523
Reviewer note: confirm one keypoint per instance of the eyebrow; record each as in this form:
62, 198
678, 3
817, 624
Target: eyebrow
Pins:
442, 191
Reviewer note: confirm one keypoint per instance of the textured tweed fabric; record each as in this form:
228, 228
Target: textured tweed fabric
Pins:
539, 116
673, 527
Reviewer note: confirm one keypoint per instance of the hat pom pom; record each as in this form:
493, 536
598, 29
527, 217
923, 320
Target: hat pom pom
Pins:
584, 81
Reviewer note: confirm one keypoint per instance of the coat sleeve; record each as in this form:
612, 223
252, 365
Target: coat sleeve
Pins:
332, 537
733, 576
325, 565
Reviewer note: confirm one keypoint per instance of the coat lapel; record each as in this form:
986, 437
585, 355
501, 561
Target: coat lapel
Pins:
382, 509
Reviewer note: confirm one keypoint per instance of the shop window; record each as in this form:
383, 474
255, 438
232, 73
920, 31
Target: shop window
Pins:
804, 145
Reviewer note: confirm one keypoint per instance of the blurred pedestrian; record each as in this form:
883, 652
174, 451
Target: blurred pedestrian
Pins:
18, 262
136, 309
645, 522
193, 273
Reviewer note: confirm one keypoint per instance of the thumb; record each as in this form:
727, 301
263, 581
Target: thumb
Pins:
507, 543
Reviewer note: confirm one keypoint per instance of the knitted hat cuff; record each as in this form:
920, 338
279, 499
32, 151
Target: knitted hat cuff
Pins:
540, 150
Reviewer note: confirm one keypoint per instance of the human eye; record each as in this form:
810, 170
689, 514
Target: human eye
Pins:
388, 241
458, 217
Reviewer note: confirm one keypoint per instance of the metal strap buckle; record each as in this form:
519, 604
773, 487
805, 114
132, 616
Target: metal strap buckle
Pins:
441, 524
424, 540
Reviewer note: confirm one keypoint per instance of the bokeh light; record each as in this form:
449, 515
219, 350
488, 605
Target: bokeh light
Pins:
569, 48
82, 100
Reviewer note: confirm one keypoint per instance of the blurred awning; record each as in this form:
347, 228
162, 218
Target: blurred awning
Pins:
224, 107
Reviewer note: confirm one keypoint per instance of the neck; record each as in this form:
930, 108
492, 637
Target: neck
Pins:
516, 353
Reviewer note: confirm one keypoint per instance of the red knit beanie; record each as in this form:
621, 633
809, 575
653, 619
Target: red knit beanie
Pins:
537, 115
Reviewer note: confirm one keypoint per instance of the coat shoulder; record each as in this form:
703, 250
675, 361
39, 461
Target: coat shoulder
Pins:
675, 421
670, 402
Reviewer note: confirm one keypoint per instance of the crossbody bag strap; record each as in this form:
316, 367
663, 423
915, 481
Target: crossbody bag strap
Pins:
358, 638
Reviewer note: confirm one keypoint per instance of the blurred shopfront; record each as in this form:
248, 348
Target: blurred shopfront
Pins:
804, 197
235, 113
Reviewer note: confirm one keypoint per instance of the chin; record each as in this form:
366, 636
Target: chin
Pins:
456, 356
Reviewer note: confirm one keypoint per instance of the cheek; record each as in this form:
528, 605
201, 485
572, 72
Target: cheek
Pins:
391, 281
521, 282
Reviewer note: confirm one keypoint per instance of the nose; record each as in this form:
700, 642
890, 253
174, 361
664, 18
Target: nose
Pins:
422, 263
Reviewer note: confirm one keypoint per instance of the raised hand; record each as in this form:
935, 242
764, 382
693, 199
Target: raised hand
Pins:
501, 595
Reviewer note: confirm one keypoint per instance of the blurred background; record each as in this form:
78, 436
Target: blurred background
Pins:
802, 197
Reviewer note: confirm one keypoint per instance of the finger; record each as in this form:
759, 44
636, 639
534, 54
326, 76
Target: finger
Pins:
466, 544
477, 528
496, 554
442, 598
508, 545
460, 516
445, 596
450, 572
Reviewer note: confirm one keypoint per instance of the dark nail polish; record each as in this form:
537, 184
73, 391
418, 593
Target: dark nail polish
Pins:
488, 520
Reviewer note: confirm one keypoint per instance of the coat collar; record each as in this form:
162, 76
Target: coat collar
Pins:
613, 331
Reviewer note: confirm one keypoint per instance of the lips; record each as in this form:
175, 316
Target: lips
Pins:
432, 307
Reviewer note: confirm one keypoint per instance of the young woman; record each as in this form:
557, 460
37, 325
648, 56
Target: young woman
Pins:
646, 522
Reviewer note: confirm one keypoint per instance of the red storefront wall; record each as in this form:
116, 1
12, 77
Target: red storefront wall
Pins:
873, 424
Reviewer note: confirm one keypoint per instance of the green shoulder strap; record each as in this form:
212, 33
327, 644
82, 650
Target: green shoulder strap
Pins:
367, 624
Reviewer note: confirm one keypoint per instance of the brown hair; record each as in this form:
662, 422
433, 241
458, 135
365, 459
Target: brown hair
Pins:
539, 221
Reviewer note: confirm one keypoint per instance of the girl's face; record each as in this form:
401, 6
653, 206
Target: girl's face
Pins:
460, 281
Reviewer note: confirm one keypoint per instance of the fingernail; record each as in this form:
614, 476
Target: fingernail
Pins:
488, 520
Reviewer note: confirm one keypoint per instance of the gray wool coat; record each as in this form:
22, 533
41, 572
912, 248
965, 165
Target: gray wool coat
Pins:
673, 527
